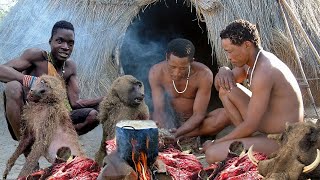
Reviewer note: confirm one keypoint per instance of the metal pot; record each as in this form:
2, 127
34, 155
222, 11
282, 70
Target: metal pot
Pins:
136, 136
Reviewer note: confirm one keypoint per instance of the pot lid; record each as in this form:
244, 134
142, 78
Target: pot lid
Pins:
136, 124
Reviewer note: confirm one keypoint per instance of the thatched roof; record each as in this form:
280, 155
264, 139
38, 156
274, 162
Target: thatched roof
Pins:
100, 26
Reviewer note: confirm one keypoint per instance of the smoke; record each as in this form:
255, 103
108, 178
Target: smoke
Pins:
140, 51
147, 37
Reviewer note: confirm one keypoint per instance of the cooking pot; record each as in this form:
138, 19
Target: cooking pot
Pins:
136, 136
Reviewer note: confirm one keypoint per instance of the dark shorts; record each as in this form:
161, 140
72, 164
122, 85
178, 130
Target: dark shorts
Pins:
80, 115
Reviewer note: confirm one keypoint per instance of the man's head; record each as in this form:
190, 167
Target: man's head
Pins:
62, 40
239, 38
181, 48
179, 56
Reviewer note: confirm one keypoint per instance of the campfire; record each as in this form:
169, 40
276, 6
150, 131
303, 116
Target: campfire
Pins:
134, 155
140, 161
137, 150
141, 166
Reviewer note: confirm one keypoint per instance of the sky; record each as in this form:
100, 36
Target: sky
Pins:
6, 4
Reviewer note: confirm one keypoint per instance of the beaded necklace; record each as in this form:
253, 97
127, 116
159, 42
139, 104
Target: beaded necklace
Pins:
174, 85
253, 68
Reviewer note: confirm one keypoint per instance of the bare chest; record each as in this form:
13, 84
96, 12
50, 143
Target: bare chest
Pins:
41, 68
181, 89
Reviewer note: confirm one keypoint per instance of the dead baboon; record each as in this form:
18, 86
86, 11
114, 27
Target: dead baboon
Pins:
125, 101
45, 125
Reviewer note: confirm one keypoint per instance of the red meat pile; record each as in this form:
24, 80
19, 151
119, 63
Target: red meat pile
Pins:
180, 165
183, 166
237, 168
78, 168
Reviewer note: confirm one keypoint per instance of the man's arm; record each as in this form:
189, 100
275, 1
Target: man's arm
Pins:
73, 92
261, 91
158, 97
11, 71
200, 105
227, 78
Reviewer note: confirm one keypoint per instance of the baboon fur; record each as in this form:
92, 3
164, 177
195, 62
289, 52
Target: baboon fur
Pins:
120, 103
45, 125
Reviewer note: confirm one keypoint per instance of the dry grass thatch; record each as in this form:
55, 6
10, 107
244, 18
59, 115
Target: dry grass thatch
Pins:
101, 24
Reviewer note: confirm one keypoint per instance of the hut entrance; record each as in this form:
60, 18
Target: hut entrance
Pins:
147, 37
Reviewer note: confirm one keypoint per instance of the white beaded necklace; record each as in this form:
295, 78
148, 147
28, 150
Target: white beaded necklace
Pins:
174, 85
254, 66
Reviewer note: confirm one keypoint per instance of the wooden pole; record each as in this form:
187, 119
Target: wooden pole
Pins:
306, 37
298, 60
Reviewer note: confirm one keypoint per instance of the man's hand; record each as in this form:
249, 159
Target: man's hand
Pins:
206, 145
224, 79
173, 130
166, 137
176, 137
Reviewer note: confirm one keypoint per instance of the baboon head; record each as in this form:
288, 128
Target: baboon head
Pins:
47, 89
129, 90
298, 155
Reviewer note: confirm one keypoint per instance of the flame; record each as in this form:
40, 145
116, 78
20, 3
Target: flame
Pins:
141, 161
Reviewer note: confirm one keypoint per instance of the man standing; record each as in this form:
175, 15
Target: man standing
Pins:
274, 97
184, 84
20, 73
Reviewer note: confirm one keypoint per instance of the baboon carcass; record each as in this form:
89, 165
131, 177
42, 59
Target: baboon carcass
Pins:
45, 125
124, 101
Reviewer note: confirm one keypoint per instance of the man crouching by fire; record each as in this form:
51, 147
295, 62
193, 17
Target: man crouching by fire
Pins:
181, 90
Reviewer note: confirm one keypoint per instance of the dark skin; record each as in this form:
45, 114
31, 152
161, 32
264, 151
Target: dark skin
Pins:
274, 99
32, 62
190, 105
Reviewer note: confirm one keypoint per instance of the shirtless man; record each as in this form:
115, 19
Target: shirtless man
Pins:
20, 73
187, 85
273, 100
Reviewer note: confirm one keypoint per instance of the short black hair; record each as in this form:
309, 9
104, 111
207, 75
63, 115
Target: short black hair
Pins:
181, 48
240, 31
61, 25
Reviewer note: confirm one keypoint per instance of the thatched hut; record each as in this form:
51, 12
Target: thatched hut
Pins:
128, 36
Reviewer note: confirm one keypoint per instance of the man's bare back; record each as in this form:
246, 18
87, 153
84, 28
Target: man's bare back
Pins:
285, 93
